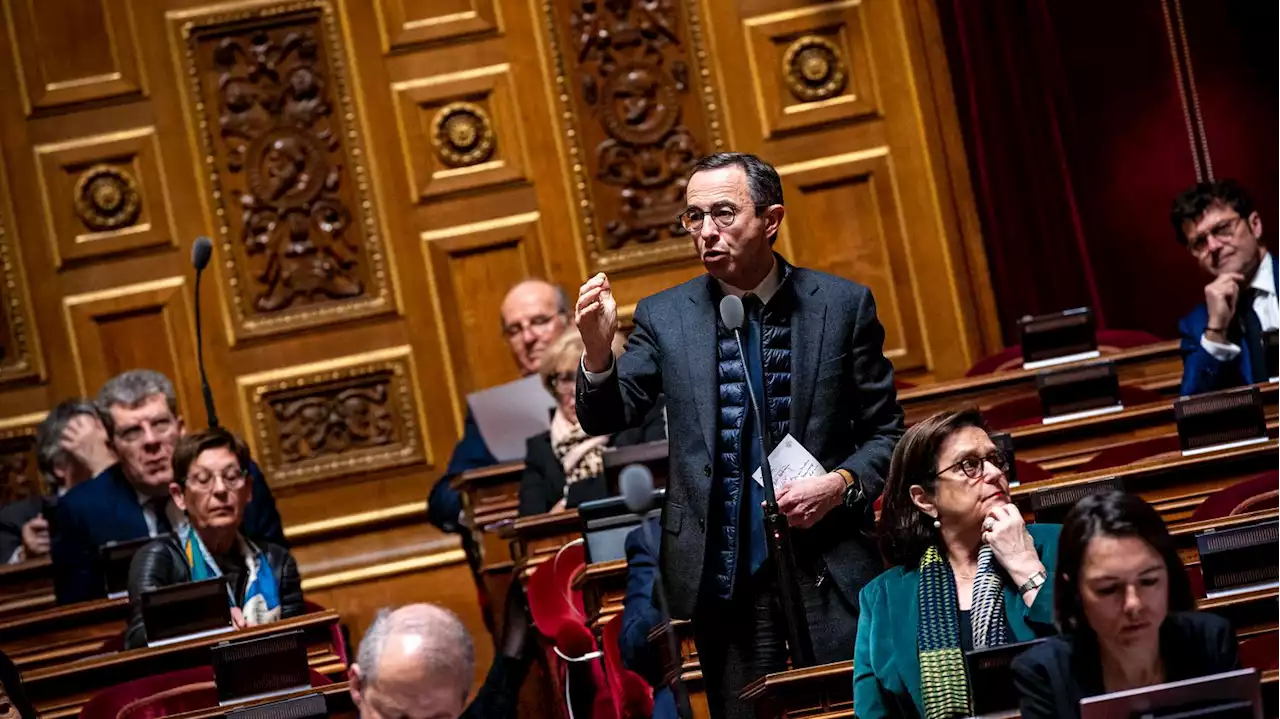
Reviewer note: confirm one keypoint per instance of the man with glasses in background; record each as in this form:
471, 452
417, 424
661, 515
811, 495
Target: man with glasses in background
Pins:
815, 349
129, 499
1222, 339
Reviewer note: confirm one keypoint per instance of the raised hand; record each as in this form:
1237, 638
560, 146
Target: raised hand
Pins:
1006, 533
1220, 297
35, 537
86, 439
596, 315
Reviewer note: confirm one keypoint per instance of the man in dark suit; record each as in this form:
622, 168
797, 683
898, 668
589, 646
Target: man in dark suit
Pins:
534, 313
72, 424
814, 344
129, 499
1222, 343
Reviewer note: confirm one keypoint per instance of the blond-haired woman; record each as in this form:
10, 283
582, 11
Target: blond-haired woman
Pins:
564, 466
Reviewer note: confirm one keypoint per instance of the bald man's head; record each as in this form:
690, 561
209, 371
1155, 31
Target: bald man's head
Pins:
534, 313
416, 662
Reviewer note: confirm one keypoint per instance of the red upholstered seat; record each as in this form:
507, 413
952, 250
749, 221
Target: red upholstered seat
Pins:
1024, 411
1131, 453
632, 695
1260, 652
1195, 577
1109, 342
162, 695
1029, 472
1247, 495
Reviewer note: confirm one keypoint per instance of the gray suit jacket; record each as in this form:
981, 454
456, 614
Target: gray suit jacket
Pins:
844, 410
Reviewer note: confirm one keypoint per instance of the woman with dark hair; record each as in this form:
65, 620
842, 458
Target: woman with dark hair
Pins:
966, 572
1124, 605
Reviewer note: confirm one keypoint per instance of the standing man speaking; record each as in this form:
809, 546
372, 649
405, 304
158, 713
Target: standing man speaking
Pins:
815, 351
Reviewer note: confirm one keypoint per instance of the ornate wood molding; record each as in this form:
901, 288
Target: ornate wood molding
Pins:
20, 355
19, 473
276, 119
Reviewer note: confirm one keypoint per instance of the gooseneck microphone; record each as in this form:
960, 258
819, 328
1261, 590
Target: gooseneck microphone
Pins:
201, 251
635, 484
777, 531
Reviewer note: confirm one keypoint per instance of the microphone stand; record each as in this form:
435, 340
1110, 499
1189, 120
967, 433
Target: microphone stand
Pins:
210, 412
778, 536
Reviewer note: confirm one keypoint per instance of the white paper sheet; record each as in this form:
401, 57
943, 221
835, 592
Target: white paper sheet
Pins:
511, 413
789, 461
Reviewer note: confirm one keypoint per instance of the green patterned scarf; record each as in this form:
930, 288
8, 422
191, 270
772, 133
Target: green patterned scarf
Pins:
944, 685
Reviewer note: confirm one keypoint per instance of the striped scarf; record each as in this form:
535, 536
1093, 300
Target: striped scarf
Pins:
944, 685
261, 603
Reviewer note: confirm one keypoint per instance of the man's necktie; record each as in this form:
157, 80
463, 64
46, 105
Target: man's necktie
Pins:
751, 455
1252, 348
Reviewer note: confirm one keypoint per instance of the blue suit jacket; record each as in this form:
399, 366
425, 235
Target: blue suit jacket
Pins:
105, 509
640, 616
444, 504
1201, 372
886, 660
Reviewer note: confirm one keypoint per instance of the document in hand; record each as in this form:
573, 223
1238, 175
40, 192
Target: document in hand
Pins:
511, 413
789, 461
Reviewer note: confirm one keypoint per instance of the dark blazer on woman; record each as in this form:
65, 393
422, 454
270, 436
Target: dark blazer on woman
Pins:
162, 563
542, 484
1054, 676
886, 660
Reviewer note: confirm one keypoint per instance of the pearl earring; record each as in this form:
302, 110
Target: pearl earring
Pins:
937, 524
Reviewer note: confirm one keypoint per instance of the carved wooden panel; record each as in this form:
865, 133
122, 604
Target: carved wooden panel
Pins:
286, 172
20, 355
143, 325
104, 195
19, 471
73, 51
852, 197
329, 419
470, 268
637, 107
460, 131
811, 66
408, 24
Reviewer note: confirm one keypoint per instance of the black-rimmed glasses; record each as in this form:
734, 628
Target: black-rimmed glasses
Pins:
724, 215
971, 467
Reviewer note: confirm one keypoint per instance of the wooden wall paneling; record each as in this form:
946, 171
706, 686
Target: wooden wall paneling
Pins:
272, 102
412, 24
70, 52
470, 268
351, 415
104, 195
21, 356
848, 201
460, 131
19, 470
811, 66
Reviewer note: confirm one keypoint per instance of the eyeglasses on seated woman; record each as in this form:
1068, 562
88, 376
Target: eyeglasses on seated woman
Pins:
1125, 608
965, 572
212, 487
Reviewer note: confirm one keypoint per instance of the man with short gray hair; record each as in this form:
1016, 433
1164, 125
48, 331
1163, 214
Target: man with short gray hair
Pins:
129, 499
418, 662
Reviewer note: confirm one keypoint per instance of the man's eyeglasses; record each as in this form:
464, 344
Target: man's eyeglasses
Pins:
724, 215
233, 478
1222, 231
539, 324
971, 467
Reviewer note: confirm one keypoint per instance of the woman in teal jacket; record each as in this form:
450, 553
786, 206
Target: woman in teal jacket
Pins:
966, 572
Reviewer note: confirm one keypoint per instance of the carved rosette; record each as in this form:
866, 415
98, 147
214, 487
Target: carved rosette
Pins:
107, 198
814, 69
462, 134
287, 174
331, 419
639, 108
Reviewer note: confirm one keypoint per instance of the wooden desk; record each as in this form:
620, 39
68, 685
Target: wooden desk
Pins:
26, 587
536, 539
604, 587
1174, 485
1157, 367
60, 691
62, 634
337, 697
490, 498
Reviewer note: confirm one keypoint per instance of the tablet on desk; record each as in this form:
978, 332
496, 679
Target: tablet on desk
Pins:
116, 558
1230, 695
186, 611
991, 679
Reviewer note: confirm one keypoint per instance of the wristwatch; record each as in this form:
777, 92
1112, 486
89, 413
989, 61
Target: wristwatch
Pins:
1036, 581
852, 488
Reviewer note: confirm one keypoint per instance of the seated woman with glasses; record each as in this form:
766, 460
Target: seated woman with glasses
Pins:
564, 467
1125, 607
211, 486
966, 572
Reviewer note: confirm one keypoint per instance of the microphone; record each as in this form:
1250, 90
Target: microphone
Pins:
201, 251
777, 531
635, 484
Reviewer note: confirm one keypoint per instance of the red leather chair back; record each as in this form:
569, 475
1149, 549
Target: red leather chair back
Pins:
1109, 342
162, 695
1247, 495
632, 695
1260, 652
1130, 453
1024, 411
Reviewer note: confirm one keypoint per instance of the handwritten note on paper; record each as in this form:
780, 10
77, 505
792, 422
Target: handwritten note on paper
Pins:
789, 461
511, 413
